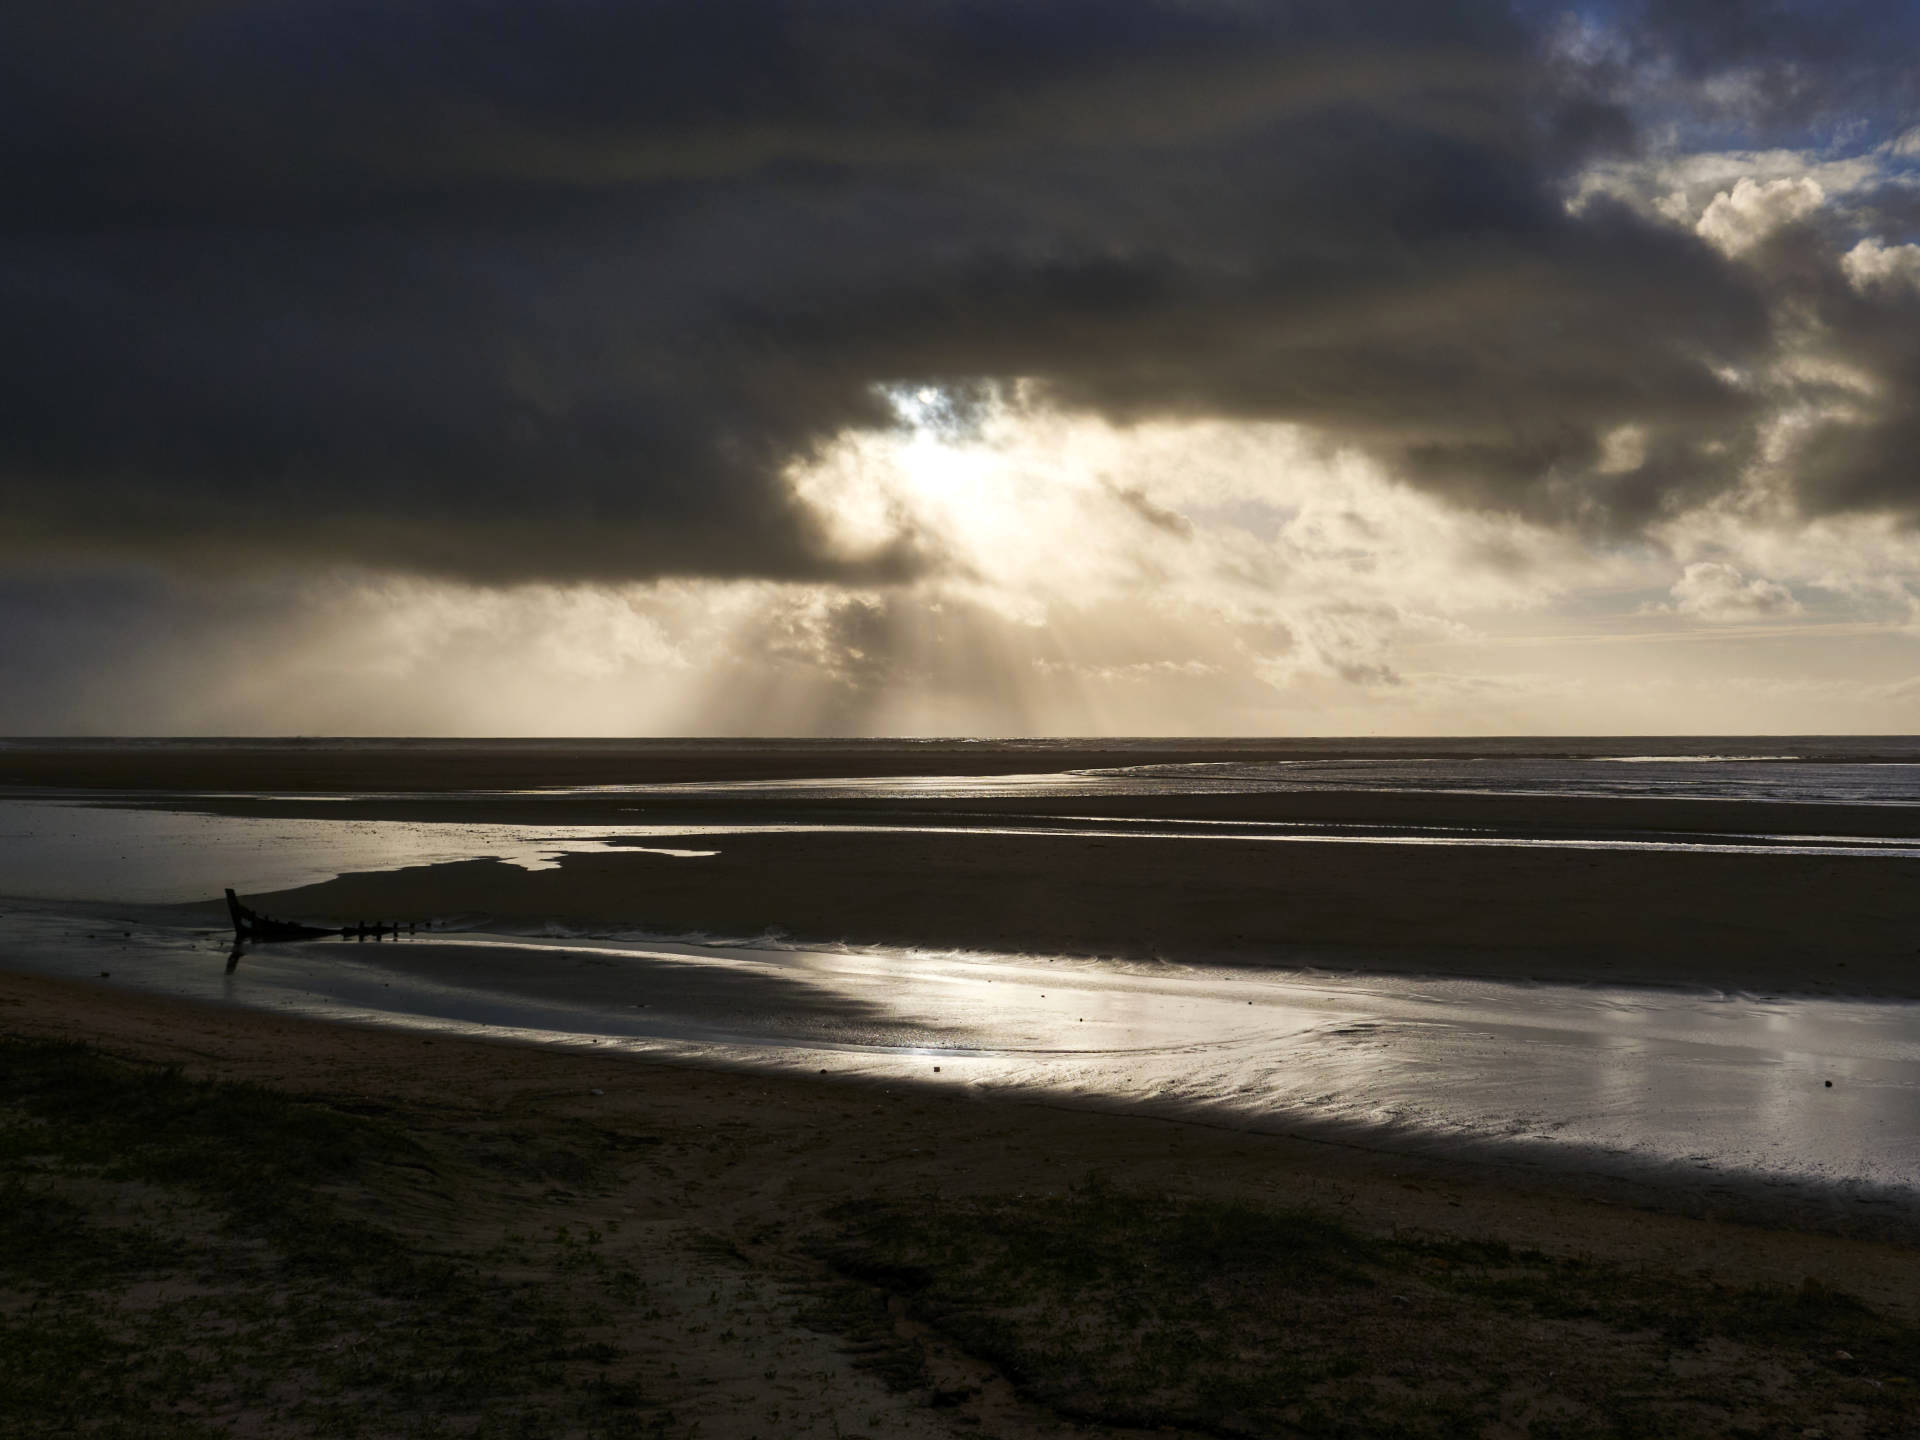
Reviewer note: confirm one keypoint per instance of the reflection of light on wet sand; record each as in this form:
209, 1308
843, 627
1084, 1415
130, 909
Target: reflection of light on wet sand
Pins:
1732, 1082
1728, 1082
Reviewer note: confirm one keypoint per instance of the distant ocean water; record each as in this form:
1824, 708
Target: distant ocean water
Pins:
1807, 748
1805, 769
1788, 780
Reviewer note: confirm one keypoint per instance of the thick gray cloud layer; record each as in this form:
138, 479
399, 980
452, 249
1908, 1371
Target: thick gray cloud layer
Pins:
515, 291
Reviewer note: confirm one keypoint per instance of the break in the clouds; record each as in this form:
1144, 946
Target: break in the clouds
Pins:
529, 291
580, 297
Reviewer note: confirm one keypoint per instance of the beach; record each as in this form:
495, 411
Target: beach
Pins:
724, 1206
746, 1170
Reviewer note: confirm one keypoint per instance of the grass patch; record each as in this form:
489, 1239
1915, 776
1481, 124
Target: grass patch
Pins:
1124, 1307
180, 1258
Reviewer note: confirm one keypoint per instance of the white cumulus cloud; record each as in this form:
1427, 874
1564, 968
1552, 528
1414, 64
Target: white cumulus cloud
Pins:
1871, 265
1738, 219
1716, 592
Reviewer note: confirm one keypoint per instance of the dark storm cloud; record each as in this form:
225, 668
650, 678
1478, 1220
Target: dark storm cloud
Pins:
1861, 452
1795, 62
516, 290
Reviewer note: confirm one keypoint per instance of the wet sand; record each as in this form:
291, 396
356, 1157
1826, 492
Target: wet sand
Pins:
910, 870
1787, 923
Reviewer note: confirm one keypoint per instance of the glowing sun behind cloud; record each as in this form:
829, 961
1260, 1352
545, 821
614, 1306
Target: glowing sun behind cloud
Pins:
1074, 576
1133, 576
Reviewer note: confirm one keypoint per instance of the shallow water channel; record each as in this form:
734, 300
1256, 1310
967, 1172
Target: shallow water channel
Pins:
1782, 1089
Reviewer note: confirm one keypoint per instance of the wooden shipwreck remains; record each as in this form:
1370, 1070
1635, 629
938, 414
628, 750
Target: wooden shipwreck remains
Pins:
251, 927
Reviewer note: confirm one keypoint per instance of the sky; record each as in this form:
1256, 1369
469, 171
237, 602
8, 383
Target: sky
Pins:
959, 367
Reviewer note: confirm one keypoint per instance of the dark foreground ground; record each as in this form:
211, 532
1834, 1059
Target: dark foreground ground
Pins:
214, 1222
